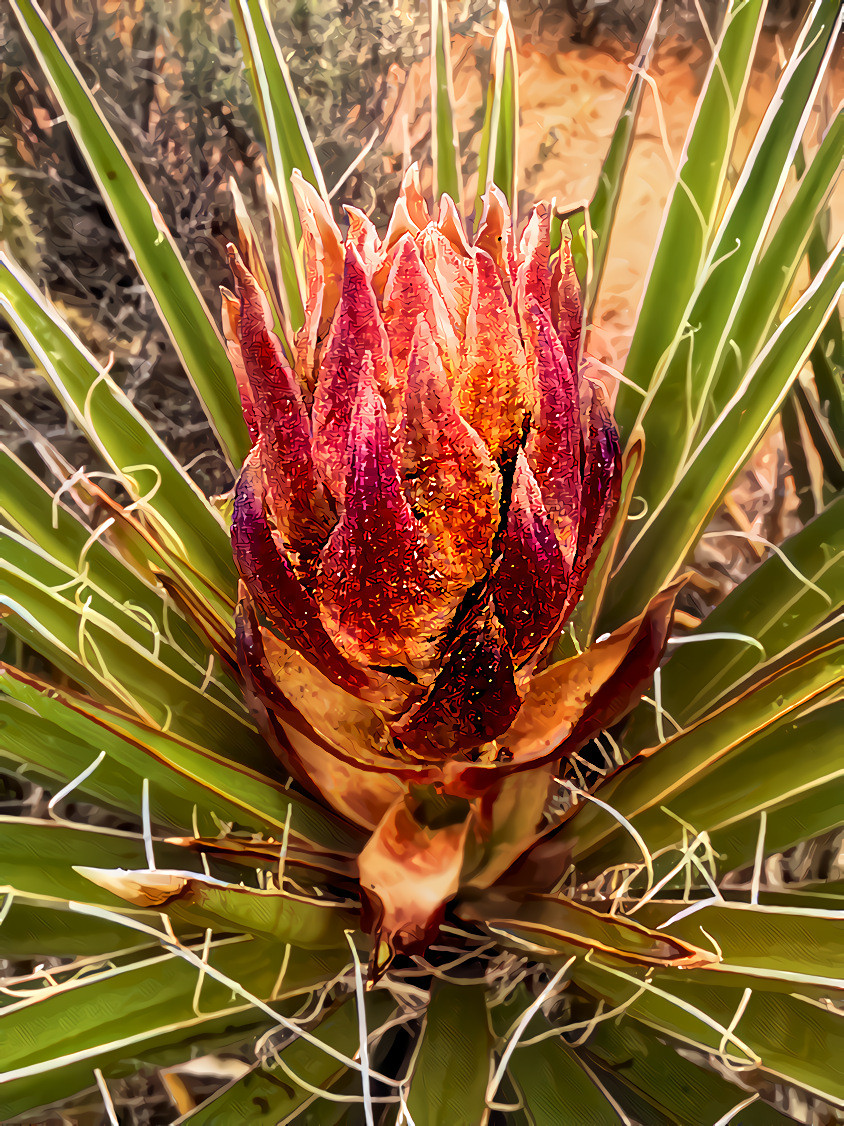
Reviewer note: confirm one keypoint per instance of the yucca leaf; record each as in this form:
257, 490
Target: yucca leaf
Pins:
38, 878
551, 923
822, 438
746, 223
828, 353
266, 1096
452, 1069
692, 206
181, 516
793, 776
650, 782
549, 1077
792, 1039
106, 1018
38, 856
499, 137
790, 947
93, 638
667, 532
769, 279
165, 273
733, 307
63, 735
784, 599
288, 145
693, 1095
39, 928
591, 228
32, 510
116, 655
211, 903
445, 142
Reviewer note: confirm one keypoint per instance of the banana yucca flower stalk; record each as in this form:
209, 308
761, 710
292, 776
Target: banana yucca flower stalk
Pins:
429, 485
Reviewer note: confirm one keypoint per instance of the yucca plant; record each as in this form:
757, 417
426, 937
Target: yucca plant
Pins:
424, 802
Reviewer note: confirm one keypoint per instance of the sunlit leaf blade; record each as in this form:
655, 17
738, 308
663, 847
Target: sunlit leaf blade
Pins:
38, 856
54, 1039
288, 144
739, 294
693, 1095
38, 879
267, 1095
452, 1068
784, 599
166, 276
649, 782
691, 210
286, 137
793, 776
115, 654
42, 928
591, 228
828, 353
97, 640
63, 735
789, 1038
166, 497
665, 535
445, 142
211, 903
31, 509
790, 948
499, 137
762, 300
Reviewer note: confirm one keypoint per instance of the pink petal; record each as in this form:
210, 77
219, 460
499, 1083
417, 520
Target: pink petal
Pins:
452, 273
450, 479
534, 250
375, 587
363, 236
231, 331
451, 225
301, 511
357, 331
601, 488
566, 305
474, 698
271, 582
410, 213
495, 235
323, 274
531, 582
554, 446
494, 385
409, 294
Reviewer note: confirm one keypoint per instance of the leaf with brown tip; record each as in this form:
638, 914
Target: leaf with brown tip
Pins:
556, 924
